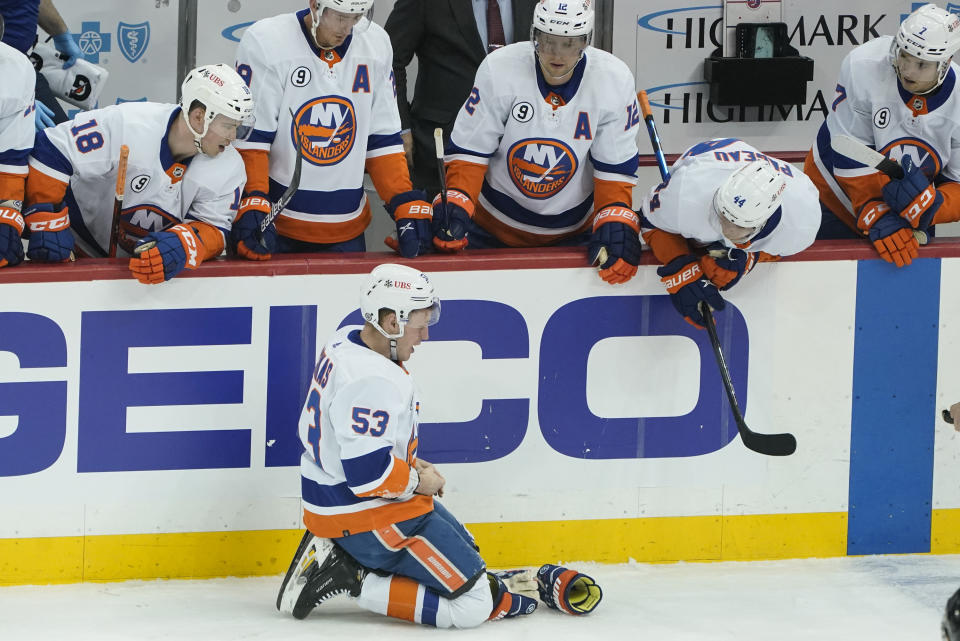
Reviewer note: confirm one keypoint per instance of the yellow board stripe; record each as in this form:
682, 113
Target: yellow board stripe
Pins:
268, 552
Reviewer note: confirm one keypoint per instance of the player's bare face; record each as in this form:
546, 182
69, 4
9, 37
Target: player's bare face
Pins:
220, 134
558, 55
735, 233
333, 27
414, 333
916, 75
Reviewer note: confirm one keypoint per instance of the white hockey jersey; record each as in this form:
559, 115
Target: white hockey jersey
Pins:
359, 429
684, 204
16, 122
545, 149
159, 191
871, 106
339, 106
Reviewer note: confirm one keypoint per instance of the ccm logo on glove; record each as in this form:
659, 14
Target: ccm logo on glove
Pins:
53, 224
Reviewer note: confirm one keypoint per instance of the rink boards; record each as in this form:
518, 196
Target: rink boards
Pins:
151, 431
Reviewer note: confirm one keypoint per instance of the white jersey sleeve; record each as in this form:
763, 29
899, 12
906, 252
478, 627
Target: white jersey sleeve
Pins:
16, 121
480, 122
212, 188
384, 113
614, 150
852, 116
266, 84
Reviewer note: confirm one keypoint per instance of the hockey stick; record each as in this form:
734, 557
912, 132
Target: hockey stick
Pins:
856, 150
442, 172
118, 200
291, 189
769, 444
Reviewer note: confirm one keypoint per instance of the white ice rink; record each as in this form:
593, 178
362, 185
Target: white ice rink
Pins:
895, 598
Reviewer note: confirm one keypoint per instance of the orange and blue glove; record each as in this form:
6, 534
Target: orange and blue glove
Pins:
245, 237
51, 240
174, 250
616, 229
451, 225
913, 197
687, 286
508, 601
567, 590
412, 215
11, 226
725, 266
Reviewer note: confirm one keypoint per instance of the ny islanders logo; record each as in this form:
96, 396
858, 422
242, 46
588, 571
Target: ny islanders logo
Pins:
921, 153
325, 128
541, 167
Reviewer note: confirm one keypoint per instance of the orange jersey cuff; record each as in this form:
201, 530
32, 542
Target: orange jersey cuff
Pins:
211, 238
466, 177
608, 192
666, 246
257, 164
41, 188
390, 175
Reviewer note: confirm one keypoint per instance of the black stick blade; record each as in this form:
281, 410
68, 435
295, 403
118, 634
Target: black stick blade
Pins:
947, 416
769, 444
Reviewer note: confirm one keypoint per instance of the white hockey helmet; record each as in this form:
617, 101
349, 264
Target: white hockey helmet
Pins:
402, 290
564, 18
222, 92
929, 33
750, 195
360, 10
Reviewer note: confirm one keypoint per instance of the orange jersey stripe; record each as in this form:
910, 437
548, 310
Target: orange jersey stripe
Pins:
257, 164
425, 554
518, 238
665, 246
394, 484
390, 175
949, 211
609, 192
41, 188
12, 186
337, 525
321, 232
402, 603
827, 197
211, 239
466, 177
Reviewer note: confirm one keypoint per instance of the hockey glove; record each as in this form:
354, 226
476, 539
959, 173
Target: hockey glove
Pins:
687, 286
175, 249
507, 604
913, 196
724, 266
11, 247
568, 590
245, 236
893, 239
617, 230
412, 214
51, 240
450, 225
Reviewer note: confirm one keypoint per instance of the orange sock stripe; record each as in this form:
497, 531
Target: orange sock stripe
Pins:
402, 602
425, 554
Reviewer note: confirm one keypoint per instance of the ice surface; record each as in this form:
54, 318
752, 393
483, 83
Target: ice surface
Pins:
896, 598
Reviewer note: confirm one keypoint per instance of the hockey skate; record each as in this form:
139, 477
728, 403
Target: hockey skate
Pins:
320, 569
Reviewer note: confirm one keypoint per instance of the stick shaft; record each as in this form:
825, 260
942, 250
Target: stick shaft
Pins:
652, 133
118, 200
442, 173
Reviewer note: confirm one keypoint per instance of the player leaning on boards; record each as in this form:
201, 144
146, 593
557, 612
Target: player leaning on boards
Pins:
899, 95
374, 529
323, 81
725, 207
544, 151
16, 139
183, 178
